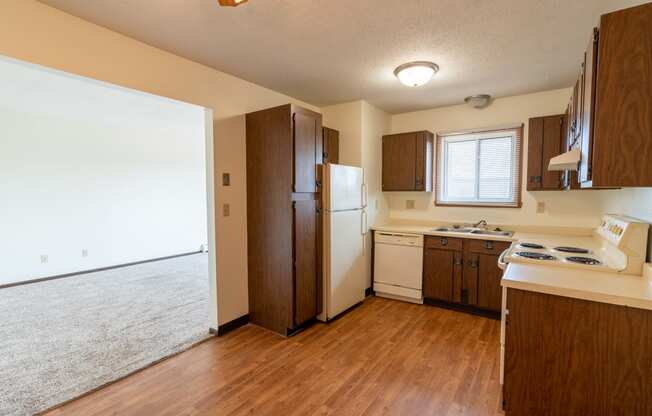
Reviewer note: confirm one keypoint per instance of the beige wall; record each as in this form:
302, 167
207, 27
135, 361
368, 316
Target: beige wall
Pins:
361, 127
40, 34
573, 208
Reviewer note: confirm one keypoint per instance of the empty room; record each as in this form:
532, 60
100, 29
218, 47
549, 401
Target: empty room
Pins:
303, 207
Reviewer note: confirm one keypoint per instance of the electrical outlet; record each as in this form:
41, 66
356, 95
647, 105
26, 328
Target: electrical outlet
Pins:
84, 252
541, 207
44, 258
226, 210
409, 204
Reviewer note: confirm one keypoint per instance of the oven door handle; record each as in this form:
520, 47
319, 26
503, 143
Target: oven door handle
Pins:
502, 264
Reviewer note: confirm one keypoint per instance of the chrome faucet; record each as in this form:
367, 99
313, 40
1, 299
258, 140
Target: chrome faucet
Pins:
480, 224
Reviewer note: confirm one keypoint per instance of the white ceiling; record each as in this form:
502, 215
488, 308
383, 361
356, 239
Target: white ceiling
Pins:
331, 51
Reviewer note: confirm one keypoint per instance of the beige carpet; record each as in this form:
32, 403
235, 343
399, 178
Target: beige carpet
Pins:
62, 338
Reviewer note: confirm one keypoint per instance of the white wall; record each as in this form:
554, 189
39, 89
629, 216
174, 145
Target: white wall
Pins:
89, 166
573, 209
37, 33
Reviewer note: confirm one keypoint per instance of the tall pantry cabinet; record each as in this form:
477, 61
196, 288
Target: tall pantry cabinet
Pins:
284, 148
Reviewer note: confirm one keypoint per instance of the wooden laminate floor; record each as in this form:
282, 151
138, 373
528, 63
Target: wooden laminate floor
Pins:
382, 358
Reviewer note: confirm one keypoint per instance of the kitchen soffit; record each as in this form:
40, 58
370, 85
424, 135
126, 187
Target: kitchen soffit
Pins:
328, 52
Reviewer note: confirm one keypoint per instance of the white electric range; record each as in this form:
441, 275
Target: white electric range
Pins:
618, 245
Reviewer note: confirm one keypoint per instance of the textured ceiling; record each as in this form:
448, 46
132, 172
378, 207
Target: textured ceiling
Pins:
331, 51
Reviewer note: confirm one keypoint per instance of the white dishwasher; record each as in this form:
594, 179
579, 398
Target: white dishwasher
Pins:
398, 266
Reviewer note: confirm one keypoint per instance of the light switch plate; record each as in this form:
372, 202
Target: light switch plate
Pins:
409, 204
226, 179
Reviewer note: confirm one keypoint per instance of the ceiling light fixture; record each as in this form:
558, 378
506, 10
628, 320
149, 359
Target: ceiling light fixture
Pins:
478, 101
416, 74
231, 3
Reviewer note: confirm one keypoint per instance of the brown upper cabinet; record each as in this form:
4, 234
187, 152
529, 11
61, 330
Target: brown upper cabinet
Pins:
546, 139
615, 104
408, 161
331, 151
284, 149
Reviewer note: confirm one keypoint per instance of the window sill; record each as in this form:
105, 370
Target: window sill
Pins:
476, 205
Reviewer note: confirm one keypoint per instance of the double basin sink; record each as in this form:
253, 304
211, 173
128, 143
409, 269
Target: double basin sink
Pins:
475, 231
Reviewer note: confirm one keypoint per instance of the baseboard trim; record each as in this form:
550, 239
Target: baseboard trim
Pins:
230, 326
462, 308
100, 269
369, 292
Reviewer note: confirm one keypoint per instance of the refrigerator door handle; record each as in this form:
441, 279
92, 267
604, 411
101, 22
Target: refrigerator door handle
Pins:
364, 195
364, 223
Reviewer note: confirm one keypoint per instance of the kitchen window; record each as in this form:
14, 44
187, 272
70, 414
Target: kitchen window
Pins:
479, 168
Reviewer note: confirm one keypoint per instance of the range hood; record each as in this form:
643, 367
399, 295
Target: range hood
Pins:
566, 161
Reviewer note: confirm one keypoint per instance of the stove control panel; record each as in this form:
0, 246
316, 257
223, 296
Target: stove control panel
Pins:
625, 233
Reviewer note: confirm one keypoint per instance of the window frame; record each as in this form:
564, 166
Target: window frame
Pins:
518, 140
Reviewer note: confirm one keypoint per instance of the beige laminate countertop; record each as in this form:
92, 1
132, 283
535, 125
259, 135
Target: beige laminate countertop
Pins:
525, 235
614, 288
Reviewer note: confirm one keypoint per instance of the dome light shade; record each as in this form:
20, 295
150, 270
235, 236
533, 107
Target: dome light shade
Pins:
416, 74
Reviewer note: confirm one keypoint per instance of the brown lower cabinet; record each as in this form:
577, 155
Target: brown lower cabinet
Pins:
463, 272
566, 356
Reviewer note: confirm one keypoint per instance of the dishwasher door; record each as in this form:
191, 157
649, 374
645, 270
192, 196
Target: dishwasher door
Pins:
398, 266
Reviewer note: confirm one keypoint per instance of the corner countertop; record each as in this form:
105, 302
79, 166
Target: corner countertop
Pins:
613, 288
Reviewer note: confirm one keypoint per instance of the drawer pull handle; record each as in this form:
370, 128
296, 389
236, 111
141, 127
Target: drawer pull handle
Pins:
444, 241
489, 245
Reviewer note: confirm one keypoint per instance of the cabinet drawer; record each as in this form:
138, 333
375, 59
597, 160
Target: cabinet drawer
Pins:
444, 243
486, 246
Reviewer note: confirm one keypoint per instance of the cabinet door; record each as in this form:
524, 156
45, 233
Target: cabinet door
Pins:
534, 151
545, 138
489, 275
588, 108
552, 140
399, 162
439, 270
305, 131
305, 260
333, 146
470, 279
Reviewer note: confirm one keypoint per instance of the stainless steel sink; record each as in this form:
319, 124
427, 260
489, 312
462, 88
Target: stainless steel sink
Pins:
477, 231
453, 229
494, 232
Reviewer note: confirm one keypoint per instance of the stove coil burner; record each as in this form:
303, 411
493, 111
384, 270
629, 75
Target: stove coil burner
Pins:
576, 250
535, 256
584, 260
532, 246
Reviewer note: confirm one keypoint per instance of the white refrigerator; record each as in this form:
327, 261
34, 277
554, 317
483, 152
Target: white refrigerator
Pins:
344, 231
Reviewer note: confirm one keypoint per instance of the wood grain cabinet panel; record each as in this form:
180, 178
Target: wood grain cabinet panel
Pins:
283, 234
463, 271
567, 356
331, 150
617, 124
440, 269
305, 145
545, 141
408, 162
305, 260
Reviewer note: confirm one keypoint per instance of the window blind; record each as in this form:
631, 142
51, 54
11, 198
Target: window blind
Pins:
479, 168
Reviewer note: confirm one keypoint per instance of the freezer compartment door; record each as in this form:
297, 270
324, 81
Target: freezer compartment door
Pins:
345, 188
344, 261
